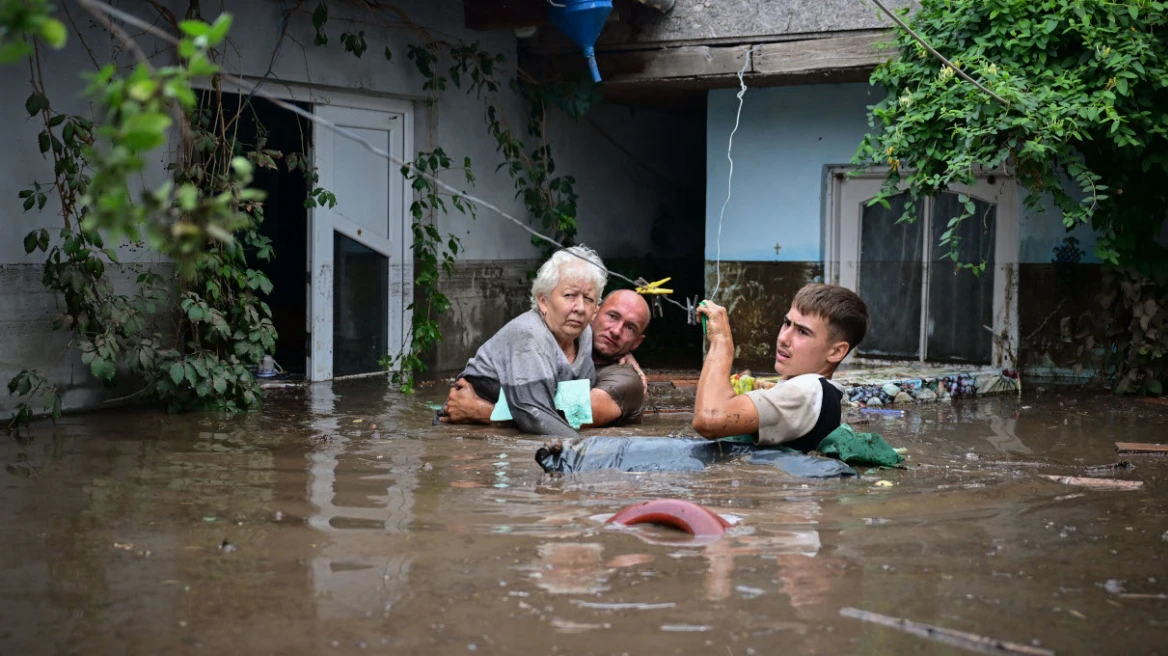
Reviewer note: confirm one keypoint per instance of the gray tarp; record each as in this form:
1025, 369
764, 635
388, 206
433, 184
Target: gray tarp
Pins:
678, 454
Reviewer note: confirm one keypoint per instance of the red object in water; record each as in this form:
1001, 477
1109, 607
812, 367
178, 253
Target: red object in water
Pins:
685, 515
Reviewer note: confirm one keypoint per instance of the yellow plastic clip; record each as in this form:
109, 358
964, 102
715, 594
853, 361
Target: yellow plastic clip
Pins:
654, 287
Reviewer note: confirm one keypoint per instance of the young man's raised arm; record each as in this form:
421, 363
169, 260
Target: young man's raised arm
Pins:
718, 411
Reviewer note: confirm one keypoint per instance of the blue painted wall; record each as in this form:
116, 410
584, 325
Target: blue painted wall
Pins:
785, 138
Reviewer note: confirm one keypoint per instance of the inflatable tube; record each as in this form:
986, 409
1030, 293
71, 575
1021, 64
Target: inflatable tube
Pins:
684, 515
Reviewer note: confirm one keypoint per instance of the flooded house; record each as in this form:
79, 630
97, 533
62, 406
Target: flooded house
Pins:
340, 518
782, 88
342, 277
651, 164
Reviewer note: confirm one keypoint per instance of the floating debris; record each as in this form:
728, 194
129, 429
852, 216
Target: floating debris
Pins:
1096, 483
622, 606
1140, 447
962, 639
1121, 466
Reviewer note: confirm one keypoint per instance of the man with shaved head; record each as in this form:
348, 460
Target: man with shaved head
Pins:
619, 393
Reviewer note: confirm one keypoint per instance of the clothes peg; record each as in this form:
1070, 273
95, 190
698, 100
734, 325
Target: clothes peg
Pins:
653, 287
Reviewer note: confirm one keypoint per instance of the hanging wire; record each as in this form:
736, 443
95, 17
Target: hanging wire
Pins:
730, 178
243, 85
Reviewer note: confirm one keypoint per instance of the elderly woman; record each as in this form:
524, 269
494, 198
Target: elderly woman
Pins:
549, 344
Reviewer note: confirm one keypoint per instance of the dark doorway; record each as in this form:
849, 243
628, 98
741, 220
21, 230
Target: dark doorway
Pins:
285, 217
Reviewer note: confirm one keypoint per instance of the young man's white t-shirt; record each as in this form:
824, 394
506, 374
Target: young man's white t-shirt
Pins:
795, 409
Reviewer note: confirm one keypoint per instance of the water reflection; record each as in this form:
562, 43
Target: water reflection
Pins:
570, 568
362, 489
356, 523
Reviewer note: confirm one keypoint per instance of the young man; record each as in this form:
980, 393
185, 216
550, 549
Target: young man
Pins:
824, 324
619, 392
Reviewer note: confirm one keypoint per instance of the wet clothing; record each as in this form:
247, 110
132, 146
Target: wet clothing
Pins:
859, 449
524, 361
799, 412
623, 384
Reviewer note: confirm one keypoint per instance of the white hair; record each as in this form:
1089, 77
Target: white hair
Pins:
577, 264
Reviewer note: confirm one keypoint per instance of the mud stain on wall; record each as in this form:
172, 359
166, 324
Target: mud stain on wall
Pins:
1052, 299
484, 295
757, 295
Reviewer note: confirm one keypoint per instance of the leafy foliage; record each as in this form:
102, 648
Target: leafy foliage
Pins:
190, 339
22, 19
549, 199
1087, 87
1085, 124
433, 256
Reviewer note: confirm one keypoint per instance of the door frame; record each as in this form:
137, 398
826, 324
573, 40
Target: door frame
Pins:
401, 275
324, 223
841, 249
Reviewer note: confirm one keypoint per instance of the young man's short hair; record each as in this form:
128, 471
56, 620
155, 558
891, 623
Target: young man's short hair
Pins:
845, 312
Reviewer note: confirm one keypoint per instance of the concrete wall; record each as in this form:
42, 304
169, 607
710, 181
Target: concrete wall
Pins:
621, 184
785, 139
26, 308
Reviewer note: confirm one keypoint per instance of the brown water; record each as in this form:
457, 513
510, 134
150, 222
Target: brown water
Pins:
354, 526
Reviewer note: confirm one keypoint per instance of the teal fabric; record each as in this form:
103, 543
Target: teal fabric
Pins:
862, 449
573, 397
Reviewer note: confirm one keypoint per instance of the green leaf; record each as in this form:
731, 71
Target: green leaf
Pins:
219, 383
219, 29
103, 369
30, 242
53, 32
145, 131
194, 28
14, 51
35, 103
319, 16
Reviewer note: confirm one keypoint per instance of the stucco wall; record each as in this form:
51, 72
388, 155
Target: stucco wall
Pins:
621, 186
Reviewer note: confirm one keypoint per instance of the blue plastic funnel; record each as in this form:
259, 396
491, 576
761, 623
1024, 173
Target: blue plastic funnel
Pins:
582, 21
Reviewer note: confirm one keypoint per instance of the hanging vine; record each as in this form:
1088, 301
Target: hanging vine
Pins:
191, 338
549, 199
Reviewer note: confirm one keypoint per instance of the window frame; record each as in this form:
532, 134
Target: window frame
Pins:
841, 252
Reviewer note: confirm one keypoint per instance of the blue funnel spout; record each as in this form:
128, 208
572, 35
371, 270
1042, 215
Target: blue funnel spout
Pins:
581, 21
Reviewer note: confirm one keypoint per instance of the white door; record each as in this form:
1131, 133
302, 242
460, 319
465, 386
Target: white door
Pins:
360, 258
922, 306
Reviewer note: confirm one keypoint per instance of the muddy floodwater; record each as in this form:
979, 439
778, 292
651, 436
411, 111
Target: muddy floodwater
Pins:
339, 520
